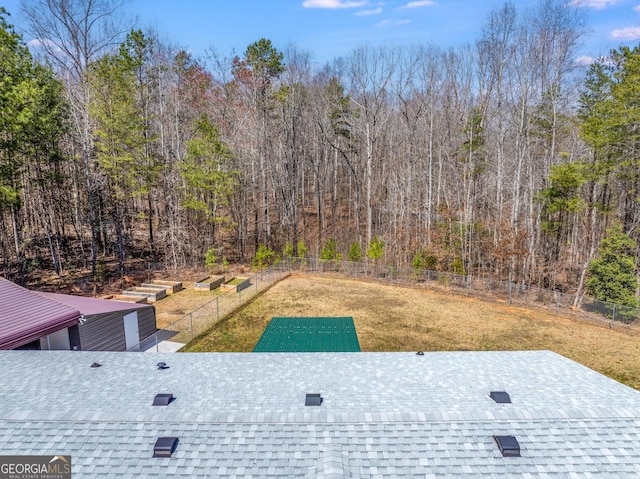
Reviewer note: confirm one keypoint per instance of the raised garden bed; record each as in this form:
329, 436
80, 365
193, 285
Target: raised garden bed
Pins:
235, 285
127, 299
170, 286
209, 283
152, 294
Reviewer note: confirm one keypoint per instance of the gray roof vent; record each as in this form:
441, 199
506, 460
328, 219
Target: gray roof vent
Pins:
508, 445
163, 399
162, 365
96, 365
500, 397
420, 353
313, 400
165, 446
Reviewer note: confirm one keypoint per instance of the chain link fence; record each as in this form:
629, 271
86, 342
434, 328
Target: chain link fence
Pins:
486, 288
199, 320
204, 317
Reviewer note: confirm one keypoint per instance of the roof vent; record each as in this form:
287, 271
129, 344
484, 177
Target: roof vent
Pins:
163, 399
165, 446
500, 397
313, 400
420, 353
162, 366
508, 445
96, 365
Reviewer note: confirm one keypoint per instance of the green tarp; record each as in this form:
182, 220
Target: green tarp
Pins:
309, 335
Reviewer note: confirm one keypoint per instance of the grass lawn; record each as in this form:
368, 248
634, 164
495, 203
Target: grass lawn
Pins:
390, 318
176, 305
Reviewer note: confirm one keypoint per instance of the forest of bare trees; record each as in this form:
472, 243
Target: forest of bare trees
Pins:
489, 159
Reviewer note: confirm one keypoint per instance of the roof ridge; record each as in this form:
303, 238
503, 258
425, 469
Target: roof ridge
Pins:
330, 464
318, 422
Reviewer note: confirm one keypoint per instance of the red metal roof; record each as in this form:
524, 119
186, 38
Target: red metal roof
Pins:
90, 306
26, 316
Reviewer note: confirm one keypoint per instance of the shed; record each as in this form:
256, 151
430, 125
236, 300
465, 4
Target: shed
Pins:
39, 320
26, 317
107, 325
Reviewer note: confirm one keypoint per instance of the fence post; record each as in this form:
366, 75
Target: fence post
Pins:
256, 284
218, 308
239, 297
191, 324
157, 343
613, 318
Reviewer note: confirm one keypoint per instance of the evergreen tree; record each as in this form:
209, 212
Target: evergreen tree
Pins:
610, 110
355, 252
31, 124
302, 249
206, 171
375, 251
264, 256
613, 273
119, 135
560, 201
329, 251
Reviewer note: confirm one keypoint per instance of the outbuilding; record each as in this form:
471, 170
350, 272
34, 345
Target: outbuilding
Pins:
106, 325
50, 321
28, 320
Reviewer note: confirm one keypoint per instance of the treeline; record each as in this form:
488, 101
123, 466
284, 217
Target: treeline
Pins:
497, 159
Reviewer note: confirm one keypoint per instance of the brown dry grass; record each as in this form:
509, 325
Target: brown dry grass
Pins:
176, 305
390, 318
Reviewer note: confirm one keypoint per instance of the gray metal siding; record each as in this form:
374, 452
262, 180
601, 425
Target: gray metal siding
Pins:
146, 322
74, 337
105, 332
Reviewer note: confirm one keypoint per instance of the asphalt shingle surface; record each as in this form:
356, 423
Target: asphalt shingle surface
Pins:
383, 415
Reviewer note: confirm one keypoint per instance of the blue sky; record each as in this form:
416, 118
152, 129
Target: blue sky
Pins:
330, 28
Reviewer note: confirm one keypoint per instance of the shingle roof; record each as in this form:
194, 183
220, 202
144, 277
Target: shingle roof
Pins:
383, 414
26, 316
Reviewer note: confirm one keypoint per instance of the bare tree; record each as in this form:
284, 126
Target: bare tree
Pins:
73, 33
371, 72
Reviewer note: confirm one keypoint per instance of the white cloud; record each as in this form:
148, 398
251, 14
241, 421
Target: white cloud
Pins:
376, 11
419, 3
334, 3
637, 8
392, 23
38, 43
584, 61
628, 33
598, 4
41, 45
